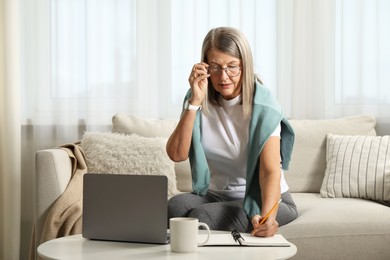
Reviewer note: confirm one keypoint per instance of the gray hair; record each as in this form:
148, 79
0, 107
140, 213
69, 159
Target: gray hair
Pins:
234, 43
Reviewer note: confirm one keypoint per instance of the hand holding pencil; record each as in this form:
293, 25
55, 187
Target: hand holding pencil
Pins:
265, 230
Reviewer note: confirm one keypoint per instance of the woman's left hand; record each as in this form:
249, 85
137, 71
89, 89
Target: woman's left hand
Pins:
267, 229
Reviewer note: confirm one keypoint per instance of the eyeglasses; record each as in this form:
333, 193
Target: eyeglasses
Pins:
231, 71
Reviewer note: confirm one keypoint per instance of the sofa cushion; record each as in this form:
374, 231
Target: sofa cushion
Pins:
357, 167
128, 154
340, 228
130, 124
308, 160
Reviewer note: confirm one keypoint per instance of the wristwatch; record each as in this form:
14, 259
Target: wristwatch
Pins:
188, 106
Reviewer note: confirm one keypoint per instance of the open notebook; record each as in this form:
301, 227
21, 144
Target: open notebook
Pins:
243, 239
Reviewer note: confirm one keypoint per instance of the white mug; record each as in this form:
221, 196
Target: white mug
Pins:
184, 234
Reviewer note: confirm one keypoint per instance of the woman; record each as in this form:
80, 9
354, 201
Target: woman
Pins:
231, 129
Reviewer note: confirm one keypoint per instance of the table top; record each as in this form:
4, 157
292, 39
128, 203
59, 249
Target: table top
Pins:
76, 247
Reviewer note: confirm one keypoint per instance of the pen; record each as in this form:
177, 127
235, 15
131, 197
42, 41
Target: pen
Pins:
269, 213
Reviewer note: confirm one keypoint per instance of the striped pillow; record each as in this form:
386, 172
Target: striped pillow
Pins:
357, 167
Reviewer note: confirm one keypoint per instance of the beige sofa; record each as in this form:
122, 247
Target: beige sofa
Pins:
354, 225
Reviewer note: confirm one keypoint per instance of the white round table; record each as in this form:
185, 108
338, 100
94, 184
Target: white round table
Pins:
76, 247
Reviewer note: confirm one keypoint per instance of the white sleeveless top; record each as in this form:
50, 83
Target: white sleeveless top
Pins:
225, 141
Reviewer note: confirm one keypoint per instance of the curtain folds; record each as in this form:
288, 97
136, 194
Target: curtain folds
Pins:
10, 142
306, 57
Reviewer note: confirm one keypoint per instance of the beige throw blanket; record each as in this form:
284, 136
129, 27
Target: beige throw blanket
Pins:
64, 217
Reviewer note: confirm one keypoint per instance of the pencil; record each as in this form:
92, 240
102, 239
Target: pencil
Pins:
269, 213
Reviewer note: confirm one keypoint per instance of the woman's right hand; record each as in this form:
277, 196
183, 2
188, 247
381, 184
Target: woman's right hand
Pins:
267, 229
179, 143
198, 82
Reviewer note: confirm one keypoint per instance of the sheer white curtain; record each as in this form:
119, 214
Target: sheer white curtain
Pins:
362, 59
333, 59
362, 51
84, 61
305, 57
10, 153
87, 61
71, 64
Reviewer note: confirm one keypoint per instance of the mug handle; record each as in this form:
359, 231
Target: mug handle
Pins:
201, 224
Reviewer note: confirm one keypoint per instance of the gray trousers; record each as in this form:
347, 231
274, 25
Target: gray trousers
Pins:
224, 215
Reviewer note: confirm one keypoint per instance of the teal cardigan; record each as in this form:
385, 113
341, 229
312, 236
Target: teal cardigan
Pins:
267, 114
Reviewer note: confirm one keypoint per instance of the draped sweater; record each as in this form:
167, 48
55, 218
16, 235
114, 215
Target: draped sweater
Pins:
266, 115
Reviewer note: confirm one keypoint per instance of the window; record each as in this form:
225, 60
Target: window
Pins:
80, 63
93, 48
362, 68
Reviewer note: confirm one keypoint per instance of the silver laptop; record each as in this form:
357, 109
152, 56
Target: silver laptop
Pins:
121, 207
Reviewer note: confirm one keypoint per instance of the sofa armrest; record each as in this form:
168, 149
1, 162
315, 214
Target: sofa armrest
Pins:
53, 169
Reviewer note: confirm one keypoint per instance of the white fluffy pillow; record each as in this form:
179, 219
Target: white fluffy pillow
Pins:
357, 167
131, 124
128, 154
